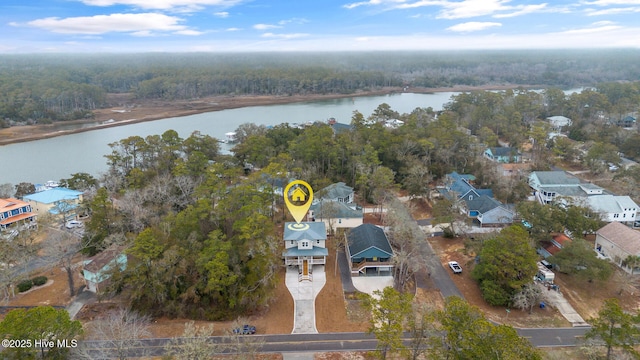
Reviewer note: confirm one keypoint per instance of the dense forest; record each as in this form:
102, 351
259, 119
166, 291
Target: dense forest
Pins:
40, 89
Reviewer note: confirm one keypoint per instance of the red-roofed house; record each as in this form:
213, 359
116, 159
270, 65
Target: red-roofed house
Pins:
554, 246
15, 213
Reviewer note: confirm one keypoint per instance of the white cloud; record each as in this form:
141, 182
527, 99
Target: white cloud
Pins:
361, 3
221, 14
284, 36
143, 33
163, 4
233, 29
473, 8
450, 9
612, 11
293, 21
473, 26
188, 32
522, 10
100, 24
266, 26
612, 2
603, 23
592, 30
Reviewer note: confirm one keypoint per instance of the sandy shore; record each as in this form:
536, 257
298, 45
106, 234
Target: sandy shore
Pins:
124, 110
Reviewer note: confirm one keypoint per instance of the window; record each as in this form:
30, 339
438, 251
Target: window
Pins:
615, 216
318, 241
292, 242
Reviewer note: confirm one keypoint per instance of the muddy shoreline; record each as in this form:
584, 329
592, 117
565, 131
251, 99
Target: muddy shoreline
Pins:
125, 110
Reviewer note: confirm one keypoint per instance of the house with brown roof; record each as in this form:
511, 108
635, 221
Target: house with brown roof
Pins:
618, 242
98, 270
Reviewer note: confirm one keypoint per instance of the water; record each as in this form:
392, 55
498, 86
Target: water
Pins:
59, 157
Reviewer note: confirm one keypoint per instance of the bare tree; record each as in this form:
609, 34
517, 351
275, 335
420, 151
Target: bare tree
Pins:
62, 246
6, 190
121, 329
194, 344
327, 210
530, 295
9, 254
404, 235
422, 329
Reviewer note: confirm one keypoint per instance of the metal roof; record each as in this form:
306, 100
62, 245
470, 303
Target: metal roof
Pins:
308, 231
53, 195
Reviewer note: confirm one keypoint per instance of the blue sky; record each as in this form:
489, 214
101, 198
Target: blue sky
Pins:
28, 26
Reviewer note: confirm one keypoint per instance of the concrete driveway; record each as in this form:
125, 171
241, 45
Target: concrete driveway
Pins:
304, 295
369, 284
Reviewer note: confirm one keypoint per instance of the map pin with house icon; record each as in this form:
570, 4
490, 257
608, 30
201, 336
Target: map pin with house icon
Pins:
298, 196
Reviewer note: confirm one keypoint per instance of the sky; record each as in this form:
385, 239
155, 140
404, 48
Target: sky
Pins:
115, 26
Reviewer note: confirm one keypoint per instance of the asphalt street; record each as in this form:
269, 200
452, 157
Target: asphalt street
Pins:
302, 343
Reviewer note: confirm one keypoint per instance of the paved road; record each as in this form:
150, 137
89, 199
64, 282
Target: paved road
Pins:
439, 275
304, 343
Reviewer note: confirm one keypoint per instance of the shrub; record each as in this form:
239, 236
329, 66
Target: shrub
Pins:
39, 280
25, 285
448, 233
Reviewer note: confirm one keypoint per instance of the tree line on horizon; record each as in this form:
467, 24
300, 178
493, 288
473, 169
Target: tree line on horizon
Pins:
47, 88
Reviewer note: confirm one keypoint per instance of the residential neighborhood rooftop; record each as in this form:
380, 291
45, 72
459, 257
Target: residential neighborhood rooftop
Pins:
366, 236
11, 204
556, 178
625, 237
336, 190
309, 231
53, 195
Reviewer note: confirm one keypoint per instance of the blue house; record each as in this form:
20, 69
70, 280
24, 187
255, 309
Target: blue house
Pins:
478, 204
305, 246
504, 155
15, 213
489, 212
98, 270
369, 251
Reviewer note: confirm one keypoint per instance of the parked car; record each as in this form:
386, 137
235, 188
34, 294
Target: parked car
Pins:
455, 267
73, 224
245, 330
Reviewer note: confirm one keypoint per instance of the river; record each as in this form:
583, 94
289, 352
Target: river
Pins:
57, 158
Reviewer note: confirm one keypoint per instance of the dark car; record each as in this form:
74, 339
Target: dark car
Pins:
245, 330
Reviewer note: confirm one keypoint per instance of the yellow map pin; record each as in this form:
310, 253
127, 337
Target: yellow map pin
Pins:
298, 196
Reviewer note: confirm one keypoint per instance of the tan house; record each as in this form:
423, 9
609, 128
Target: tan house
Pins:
56, 201
618, 243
